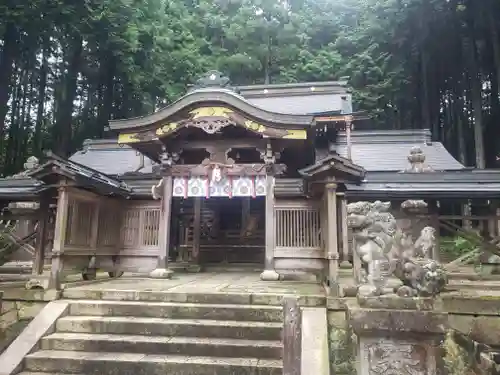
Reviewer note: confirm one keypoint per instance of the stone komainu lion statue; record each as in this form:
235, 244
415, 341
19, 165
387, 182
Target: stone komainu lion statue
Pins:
382, 246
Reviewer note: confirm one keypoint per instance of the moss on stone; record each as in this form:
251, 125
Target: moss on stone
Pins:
456, 359
342, 353
8, 334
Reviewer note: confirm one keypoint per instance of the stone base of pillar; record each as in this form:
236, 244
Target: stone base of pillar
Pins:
270, 275
37, 282
193, 268
345, 265
161, 273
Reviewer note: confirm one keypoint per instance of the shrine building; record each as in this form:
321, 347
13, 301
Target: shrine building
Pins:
255, 176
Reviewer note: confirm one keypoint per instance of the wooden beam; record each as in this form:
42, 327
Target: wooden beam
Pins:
187, 170
83, 195
222, 144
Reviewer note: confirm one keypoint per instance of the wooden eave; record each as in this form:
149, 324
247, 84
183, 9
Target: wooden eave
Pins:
341, 118
81, 175
333, 165
219, 97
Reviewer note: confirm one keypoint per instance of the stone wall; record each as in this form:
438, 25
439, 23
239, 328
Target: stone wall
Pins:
17, 308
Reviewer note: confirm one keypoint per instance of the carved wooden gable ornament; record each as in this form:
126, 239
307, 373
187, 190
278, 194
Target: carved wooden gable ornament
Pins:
212, 120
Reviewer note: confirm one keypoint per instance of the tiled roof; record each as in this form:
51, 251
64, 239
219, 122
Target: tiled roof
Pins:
464, 183
389, 150
424, 190
108, 157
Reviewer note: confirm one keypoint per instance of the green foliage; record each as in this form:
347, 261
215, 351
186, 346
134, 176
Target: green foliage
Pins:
67, 67
456, 246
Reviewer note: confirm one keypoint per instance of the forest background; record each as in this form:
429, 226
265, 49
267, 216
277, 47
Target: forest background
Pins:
67, 66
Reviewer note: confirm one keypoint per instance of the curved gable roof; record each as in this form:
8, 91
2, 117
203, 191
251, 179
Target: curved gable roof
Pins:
215, 95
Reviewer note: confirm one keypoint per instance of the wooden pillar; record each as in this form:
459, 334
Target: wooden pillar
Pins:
94, 232
332, 238
90, 272
434, 211
196, 232
345, 233
269, 273
492, 222
59, 238
41, 236
162, 271
348, 128
245, 213
497, 221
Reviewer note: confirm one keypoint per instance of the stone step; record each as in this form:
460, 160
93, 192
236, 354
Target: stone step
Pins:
188, 346
91, 363
272, 299
178, 310
171, 327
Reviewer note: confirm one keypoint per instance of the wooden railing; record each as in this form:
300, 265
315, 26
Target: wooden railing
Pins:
297, 225
468, 240
140, 228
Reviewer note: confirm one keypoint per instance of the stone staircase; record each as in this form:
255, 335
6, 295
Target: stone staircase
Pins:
139, 338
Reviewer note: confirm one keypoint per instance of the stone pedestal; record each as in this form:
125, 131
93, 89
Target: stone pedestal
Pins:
398, 336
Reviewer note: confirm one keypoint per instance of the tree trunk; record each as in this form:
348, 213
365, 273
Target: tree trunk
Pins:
476, 101
37, 136
106, 103
495, 42
68, 94
9, 53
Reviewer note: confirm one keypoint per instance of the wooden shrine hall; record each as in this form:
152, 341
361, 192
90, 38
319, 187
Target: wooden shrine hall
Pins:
253, 175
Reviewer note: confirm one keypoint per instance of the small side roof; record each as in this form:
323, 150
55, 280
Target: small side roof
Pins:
107, 156
23, 188
387, 150
331, 165
85, 177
